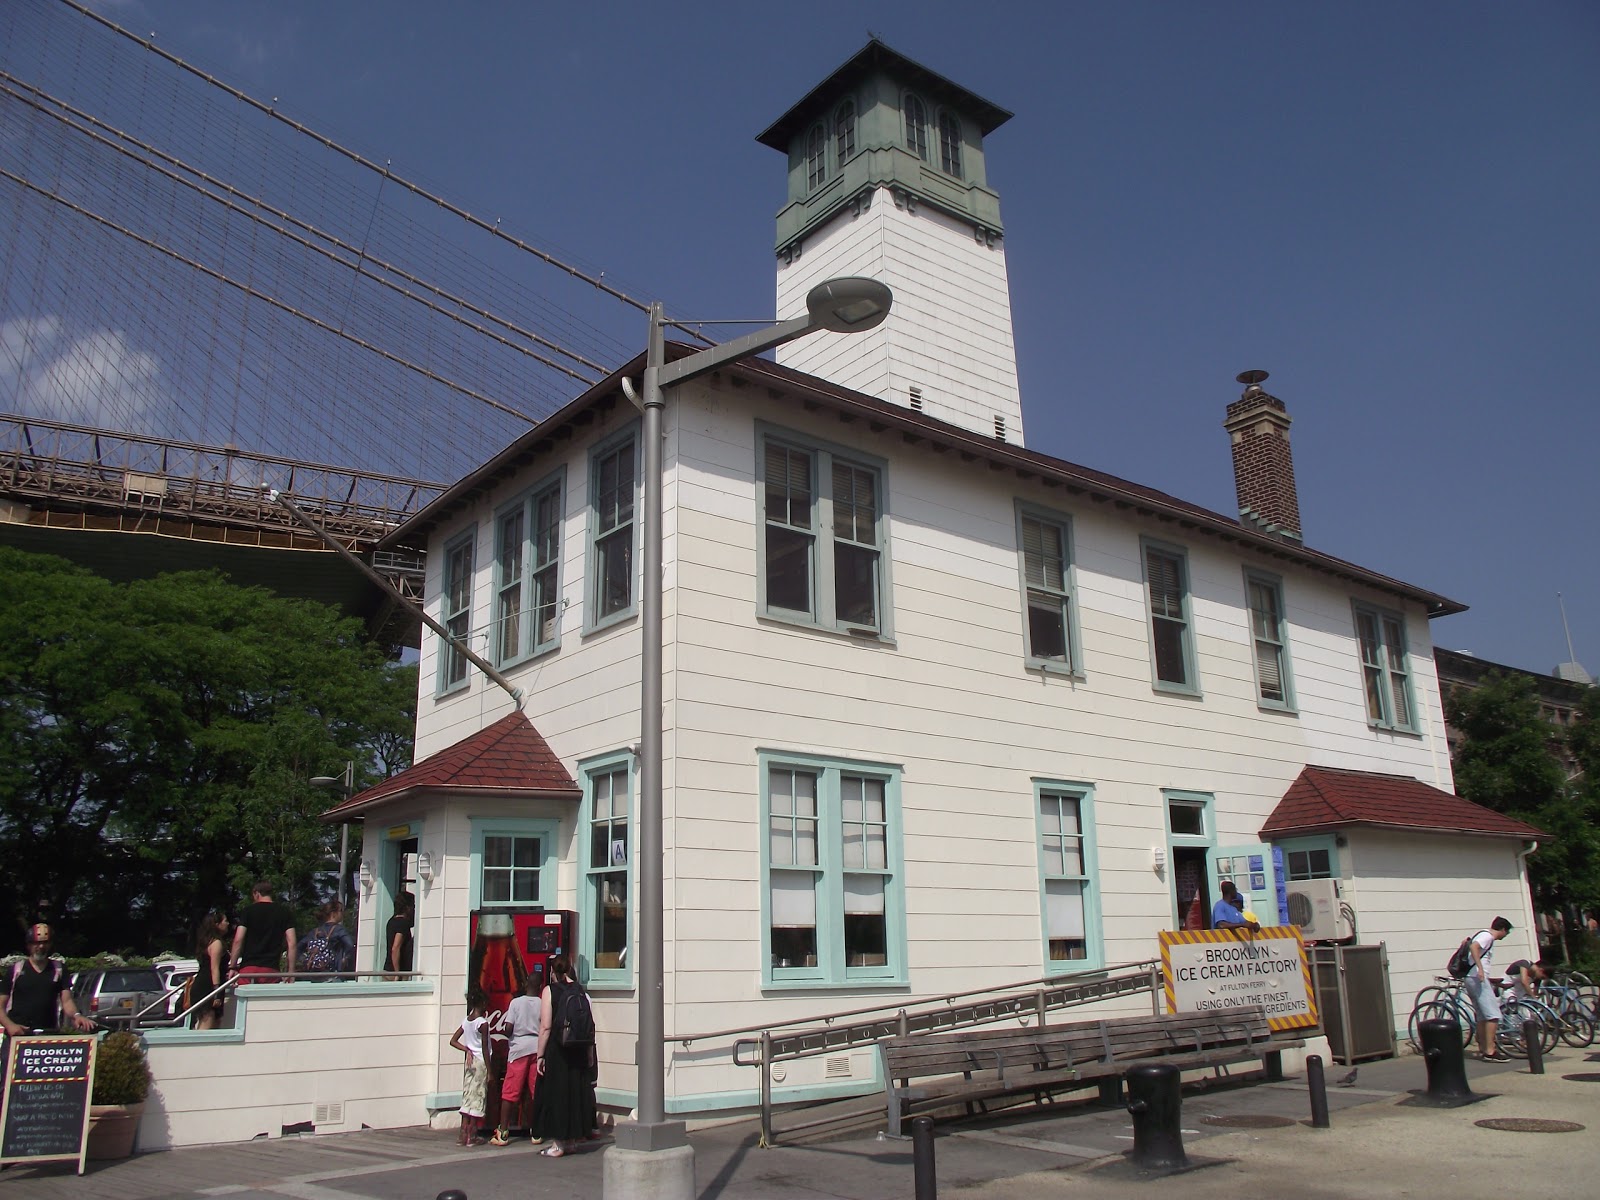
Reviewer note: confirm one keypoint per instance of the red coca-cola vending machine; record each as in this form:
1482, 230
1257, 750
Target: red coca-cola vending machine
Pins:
509, 945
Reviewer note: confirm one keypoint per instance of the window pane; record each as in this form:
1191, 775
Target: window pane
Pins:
525, 852
788, 569
1170, 666
611, 907
1165, 574
844, 127
950, 145
916, 128
496, 887
1047, 627
794, 919
1187, 819
525, 887
497, 852
816, 157
615, 554
1064, 923
866, 939
855, 585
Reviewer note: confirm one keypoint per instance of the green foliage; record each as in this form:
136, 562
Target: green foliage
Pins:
156, 743
1510, 761
121, 1071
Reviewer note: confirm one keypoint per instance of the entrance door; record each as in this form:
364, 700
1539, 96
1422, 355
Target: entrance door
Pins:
1251, 869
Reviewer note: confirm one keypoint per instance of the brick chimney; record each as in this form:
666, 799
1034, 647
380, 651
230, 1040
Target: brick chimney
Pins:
1263, 465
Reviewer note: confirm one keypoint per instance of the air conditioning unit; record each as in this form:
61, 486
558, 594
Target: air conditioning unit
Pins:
1314, 907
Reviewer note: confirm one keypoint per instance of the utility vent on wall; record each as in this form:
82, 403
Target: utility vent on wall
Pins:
999, 428
330, 1114
838, 1067
1315, 907
914, 395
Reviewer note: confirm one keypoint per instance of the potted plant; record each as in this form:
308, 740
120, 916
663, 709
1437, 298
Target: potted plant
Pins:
121, 1083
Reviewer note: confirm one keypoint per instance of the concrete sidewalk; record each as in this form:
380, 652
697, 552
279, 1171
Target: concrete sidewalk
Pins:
1246, 1139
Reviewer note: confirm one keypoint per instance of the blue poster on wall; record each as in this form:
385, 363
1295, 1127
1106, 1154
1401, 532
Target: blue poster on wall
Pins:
1283, 885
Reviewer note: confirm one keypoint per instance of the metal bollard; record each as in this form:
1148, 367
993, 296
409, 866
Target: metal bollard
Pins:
925, 1184
1533, 1039
451, 1194
1155, 1098
1441, 1050
1319, 1092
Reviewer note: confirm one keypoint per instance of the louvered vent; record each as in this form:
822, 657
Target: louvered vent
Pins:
838, 1067
330, 1114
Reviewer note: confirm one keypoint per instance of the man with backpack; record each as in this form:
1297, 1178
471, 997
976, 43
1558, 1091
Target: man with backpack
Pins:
37, 996
1480, 987
328, 949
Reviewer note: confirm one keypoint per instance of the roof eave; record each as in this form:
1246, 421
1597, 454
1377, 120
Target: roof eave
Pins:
1399, 826
358, 808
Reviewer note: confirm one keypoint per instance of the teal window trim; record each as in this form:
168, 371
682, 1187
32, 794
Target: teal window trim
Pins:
1064, 824
1268, 622
613, 535
1203, 803
1302, 857
950, 144
1385, 662
455, 610
839, 826
527, 595
1046, 564
1169, 614
916, 124
605, 819
832, 526
546, 830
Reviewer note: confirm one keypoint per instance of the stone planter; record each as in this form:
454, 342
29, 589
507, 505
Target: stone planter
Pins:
112, 1129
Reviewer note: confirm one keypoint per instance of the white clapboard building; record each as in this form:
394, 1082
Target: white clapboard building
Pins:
940, 711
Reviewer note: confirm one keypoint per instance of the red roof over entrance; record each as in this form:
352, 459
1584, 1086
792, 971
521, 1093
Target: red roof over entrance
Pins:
1327, 798
506, 758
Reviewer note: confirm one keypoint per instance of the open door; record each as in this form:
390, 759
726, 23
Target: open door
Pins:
1254, 873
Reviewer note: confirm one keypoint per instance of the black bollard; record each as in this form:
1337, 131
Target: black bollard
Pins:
1447, 1070
1533, 1039
1155, 1098
451, 1194
925, 1185
1319, 1092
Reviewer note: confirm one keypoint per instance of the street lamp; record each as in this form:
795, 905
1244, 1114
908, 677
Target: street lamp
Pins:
346, 784
651, 1155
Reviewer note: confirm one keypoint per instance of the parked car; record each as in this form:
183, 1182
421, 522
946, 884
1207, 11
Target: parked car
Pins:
174, 974
113, 995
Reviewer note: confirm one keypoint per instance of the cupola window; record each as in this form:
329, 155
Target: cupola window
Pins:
844, 132
816, 158
949, 145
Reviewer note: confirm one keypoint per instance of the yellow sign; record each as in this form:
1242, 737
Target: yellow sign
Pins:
395, 832
1218, 969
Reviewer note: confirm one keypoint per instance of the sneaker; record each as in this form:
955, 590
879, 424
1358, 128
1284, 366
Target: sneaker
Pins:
1496, 1057
502, 1137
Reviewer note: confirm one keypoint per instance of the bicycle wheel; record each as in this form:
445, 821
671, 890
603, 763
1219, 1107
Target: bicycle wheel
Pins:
1435, 1010
1510, 1037
1577, 1030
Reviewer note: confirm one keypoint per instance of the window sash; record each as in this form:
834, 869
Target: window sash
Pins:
613, 532
1266, 625
1385, 669
816, 158
844, 129
1045, 562
1064, 869
950, 145
916, 115
510, 871
606, 867
458, 610
1169, 623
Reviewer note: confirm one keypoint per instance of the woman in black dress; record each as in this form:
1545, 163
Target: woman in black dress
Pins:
211, 952
564, 1101
397, 935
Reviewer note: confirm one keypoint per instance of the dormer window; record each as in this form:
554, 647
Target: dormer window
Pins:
949, 145
816, 158
844, 132
916, 127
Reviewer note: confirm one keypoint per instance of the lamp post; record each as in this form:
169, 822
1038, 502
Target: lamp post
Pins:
652, 1156
346, 784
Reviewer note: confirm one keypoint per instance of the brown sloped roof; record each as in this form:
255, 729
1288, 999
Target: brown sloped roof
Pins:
1324, 798
508, 757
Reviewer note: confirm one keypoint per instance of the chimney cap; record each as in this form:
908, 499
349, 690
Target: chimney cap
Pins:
1252, 378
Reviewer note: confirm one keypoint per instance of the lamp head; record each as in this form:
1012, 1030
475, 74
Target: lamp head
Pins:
849, 305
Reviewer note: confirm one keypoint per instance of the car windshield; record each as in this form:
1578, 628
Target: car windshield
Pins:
131, 981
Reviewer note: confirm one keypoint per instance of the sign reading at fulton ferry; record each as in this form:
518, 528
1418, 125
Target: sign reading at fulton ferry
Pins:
1213, 970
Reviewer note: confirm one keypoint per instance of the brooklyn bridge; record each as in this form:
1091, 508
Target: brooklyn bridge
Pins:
205, 303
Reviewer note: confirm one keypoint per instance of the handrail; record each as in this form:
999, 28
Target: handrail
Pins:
232, 982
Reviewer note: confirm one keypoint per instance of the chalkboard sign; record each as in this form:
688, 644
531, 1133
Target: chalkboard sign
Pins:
45, 1113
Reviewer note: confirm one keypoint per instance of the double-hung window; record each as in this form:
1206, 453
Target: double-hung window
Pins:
916, 114
831, 859
1166, 575
844, 133
1050, 625
1385, 668
822, 536
1269, 634
459, 564
606, 858
1066, 875
612, 497
816, 158
950, 144
528, 580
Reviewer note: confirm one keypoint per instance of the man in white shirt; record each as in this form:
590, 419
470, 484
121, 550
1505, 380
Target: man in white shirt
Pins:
1481, 989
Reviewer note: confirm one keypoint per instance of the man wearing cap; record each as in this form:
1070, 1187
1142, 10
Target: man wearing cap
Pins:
36, 991
1228, 913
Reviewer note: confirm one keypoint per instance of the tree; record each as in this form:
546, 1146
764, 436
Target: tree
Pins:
157, 739
1509, 760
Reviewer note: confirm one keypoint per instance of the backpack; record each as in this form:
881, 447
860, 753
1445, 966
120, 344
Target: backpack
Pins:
1460, 964
317, 952
574, 1019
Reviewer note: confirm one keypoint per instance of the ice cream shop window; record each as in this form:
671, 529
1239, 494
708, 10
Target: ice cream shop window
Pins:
511, 869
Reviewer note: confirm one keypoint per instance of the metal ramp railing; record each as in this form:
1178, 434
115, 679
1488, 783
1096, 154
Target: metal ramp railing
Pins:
1035, 999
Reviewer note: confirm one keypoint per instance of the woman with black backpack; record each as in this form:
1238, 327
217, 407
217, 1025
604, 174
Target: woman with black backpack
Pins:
565, 1108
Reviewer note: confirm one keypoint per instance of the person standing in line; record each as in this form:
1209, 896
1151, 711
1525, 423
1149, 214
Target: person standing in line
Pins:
521, 1023
263, 936
1228, 913
565, 1112
397, 935
472, 1039
211, 953
328, 947
36, 992
1480, 988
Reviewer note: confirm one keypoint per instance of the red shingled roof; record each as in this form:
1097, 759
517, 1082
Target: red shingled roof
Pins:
1326, 798
506, 758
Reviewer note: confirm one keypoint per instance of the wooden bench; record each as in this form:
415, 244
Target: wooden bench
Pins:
928, 1071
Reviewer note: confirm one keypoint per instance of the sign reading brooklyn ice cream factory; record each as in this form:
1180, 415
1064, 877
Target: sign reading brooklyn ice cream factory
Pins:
1214, 970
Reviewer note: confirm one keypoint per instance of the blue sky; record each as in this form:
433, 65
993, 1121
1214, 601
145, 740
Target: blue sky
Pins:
1390, 207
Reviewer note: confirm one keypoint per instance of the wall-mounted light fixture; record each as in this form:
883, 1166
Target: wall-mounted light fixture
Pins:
1158, 859
425, 867
367, 878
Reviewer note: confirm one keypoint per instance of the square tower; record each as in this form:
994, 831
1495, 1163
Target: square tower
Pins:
887, 179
